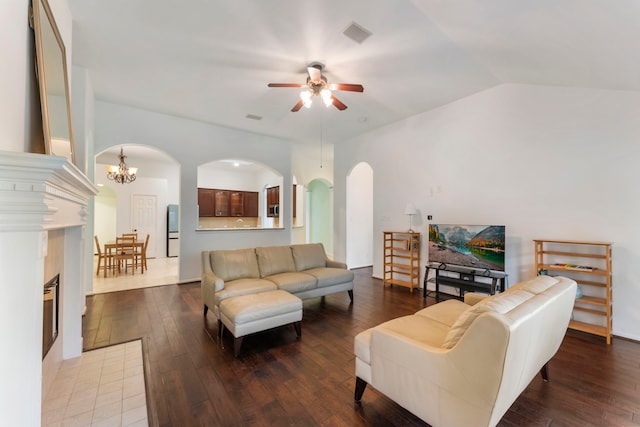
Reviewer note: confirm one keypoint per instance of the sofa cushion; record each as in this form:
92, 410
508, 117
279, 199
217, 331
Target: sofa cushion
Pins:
419, 328
293, 282
445, 312
537, 285
330, 276
234, 264
244, 287
274, 260
499, 303
309, 256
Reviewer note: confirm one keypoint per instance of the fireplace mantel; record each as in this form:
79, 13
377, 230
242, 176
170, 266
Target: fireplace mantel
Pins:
38, 194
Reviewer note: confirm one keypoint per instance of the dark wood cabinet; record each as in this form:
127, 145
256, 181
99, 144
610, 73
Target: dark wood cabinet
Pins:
221, 200
224, 203
206, 202
236, 200
295, 199
273, 201
251, 203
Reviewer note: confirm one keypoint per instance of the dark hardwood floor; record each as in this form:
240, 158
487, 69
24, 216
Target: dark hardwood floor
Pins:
281, 381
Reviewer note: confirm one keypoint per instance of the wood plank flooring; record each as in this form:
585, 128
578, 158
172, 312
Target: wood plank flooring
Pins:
279, 380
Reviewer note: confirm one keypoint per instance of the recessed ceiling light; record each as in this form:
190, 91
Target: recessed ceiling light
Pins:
236, 164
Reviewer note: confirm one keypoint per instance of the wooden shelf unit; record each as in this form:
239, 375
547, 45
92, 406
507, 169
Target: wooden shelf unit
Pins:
552, 257
402, 259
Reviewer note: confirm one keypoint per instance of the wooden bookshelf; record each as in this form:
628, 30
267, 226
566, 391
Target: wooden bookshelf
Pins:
401, 259
589, 264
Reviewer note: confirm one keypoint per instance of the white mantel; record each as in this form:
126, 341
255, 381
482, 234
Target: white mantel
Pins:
38, 193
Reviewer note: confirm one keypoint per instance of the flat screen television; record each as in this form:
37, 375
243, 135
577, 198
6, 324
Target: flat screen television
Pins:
476, 246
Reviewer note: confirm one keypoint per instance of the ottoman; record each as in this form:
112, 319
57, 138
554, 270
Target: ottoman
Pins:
247, 314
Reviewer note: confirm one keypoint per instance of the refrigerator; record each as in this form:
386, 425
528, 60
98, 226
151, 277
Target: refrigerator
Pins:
173, 231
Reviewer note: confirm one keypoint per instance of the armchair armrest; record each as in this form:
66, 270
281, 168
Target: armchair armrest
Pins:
336, 264
472, 298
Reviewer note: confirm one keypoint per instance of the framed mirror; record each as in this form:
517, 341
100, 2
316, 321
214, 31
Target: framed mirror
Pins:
51, 66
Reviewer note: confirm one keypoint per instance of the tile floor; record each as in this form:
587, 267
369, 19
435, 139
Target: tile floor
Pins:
103, 387
160, 271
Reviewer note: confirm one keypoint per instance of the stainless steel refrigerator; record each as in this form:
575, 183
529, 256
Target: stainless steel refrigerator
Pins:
173, 231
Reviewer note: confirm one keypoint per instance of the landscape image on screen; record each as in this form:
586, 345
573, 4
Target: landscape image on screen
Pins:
479, 246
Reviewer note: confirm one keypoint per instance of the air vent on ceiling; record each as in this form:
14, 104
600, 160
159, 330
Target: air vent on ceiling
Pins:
253, 117
357, 33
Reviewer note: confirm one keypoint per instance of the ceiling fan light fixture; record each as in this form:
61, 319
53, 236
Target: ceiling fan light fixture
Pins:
326, 97
305, 96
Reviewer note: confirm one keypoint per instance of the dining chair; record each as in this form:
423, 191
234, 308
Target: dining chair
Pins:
105, 259
125, 252
134, 235
141, 256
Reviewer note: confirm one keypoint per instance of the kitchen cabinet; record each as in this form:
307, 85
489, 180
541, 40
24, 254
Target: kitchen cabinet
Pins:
205, 202
221, 201
227, 203
251, 203
236, 201
273, 201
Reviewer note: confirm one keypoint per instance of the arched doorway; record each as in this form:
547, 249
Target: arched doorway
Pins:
320, 214
118, 210
360, 216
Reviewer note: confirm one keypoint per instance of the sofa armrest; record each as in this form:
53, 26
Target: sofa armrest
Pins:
472, 298
210, 280
472, 370
336, 264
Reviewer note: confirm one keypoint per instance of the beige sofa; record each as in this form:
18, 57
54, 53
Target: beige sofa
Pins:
302, 270
452, 364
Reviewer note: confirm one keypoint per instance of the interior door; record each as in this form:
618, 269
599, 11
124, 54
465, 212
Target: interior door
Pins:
144, 220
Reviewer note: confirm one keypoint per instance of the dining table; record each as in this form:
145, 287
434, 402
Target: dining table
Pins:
110, 246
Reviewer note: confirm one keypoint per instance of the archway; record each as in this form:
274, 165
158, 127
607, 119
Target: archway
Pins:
156, 187
320, 214
359, 211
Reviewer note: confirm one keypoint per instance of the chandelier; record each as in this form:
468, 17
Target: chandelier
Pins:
122, 174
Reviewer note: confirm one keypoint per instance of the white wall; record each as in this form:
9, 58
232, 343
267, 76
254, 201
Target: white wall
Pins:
547, 162
193, 143
21, 131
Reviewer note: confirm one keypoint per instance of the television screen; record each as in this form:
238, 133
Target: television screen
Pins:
478, 246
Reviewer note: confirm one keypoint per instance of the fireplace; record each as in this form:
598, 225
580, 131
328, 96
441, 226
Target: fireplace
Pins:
42, 199
50, 313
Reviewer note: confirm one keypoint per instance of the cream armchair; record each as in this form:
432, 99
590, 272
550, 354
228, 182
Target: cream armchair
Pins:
455, 364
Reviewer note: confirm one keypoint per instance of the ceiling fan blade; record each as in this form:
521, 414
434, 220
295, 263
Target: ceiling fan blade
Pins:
315, 74
285, 85
338, 104
297, 106
346, 86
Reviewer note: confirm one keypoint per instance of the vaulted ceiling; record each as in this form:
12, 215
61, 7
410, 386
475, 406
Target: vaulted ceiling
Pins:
211, 60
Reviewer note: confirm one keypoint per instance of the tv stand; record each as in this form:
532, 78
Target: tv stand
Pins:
466, 279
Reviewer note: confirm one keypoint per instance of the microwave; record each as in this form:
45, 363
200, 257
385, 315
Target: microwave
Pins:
274, 210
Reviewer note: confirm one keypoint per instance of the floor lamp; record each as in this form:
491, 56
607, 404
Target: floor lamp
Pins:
410, 210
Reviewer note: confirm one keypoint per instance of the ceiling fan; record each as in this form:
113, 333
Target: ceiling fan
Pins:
317, 85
